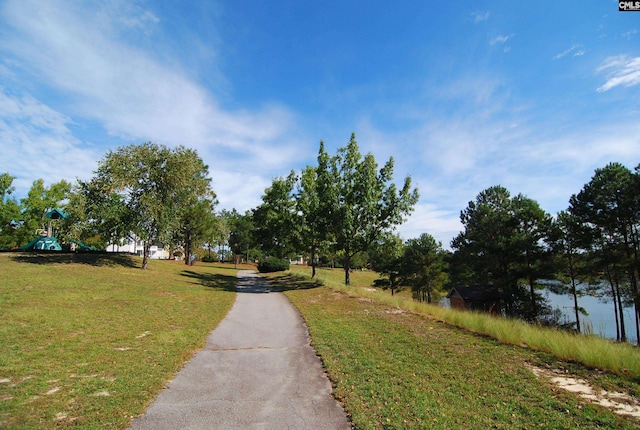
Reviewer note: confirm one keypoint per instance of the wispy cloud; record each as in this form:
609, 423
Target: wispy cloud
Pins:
38, 143
86, 52
574, 51
501, 39
480, 16
621, 70
132, 93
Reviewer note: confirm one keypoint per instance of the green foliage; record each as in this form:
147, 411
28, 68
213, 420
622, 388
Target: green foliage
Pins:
360, 201
241, 232
275, 218
33, 208
154, 192
9, 213
505, 243
312, 222
273, 264
386, 258
607, 212
422, 267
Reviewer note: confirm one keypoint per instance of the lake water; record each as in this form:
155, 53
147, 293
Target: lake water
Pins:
601, 318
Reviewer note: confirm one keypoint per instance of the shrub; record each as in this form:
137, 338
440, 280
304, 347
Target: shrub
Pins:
273, 265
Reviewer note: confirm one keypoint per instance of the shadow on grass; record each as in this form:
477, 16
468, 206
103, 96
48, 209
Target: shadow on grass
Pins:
89, 258
227, 266
212, 280
290, 281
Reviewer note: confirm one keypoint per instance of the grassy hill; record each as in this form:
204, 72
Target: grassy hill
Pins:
398, 368
89, 340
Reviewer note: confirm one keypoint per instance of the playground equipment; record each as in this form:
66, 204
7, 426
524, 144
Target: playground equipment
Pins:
46, 241
42, 243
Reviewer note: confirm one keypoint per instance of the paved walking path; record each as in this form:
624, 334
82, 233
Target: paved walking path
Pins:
258, 371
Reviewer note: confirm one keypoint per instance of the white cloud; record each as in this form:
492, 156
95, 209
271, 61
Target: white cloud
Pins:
79, 51
37, 143
429, 218
575, 51
621, 71
86, 52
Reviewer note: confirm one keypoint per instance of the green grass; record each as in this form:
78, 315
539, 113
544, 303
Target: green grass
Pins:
592, 351
395, 369
90, 340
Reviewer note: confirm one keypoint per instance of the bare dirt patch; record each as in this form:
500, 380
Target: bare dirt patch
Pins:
618, 402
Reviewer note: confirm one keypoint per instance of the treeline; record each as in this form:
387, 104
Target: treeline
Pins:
146, 192
342, 212
592, 247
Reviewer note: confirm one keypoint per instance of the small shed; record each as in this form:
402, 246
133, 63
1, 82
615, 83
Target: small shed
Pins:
485, 298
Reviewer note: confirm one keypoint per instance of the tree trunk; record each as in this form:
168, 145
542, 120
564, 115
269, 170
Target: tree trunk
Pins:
187, 249
534, 307
347, 267
623, 329
615, 286
145, 254
574, 292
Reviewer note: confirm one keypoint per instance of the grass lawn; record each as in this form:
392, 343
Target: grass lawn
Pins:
397, 369
89, 340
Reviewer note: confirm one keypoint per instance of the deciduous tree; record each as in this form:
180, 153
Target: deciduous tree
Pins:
39, 201
149, 190
362, 203
275, 219
9, 212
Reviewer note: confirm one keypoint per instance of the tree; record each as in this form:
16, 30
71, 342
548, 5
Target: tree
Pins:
609, 211
570, 261
422, 267
504, 242
98, 215
241, 240
312, 221
360, 201
194, 199
485, 246
533, 233
148, 190
198, 224
275, 219
386, 259
220, 236
39, 201
9, 212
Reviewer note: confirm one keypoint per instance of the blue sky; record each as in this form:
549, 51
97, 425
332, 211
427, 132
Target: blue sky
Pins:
464, 95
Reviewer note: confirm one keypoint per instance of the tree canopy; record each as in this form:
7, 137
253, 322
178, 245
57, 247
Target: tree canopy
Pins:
152, 191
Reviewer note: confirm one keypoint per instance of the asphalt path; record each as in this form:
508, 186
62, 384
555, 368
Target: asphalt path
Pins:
257, 371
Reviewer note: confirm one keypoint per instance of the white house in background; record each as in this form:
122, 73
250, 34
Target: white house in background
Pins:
134, 245
300, 260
